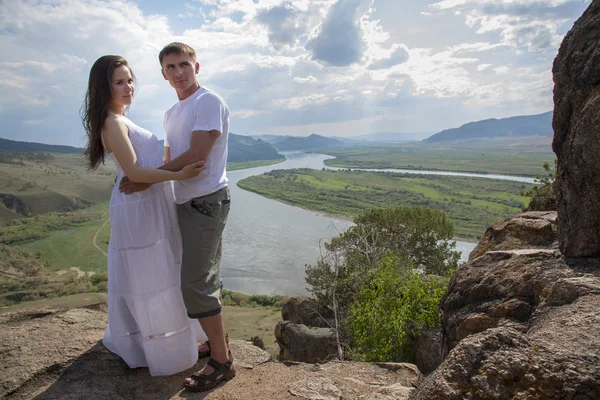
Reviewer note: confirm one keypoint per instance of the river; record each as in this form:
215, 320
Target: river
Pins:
267, 244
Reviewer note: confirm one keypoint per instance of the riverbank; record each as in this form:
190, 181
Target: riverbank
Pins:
235, 166
471, 203
524, 163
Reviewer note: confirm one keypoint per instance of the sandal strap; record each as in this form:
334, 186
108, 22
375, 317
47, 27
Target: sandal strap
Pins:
218, 366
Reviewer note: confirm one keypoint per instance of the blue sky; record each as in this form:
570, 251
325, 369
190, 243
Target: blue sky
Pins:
337, 68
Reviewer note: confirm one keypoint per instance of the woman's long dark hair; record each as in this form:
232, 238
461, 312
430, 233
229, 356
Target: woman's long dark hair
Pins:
97, 104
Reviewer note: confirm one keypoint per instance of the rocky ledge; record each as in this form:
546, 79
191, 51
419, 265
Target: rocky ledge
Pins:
58, 354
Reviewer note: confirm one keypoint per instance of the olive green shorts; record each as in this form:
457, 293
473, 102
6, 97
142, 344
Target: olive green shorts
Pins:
202, 221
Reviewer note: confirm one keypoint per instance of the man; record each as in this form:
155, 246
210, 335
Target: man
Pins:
197, 128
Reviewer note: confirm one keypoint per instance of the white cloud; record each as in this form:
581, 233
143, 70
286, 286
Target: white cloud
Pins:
503, 70
326, 66
524, 24
398, 56
308, 79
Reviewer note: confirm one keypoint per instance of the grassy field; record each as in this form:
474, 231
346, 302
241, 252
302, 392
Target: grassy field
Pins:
472, 203
494, 161
244, 323
74, 247
33, 185
72, 301
38, 183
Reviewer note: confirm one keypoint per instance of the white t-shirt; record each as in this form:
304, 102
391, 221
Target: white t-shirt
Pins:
202, 111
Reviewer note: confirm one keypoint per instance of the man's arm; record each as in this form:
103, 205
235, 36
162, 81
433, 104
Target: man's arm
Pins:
201, 143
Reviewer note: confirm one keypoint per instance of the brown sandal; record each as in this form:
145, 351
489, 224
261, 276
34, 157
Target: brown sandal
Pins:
222, 373
202, 354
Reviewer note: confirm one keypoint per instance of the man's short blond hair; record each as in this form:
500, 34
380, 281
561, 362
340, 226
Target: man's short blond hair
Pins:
176, 48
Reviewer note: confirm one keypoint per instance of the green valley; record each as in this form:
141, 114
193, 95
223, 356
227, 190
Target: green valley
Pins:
518, 161
471, 203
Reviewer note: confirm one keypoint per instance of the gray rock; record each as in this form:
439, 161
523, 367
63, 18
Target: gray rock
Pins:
298, 342
306, 311
248, 355
316, 389
576, 124
529, 230
567, 290
428, 350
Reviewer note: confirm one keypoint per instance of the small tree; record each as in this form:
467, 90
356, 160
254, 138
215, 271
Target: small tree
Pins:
542, 195
391, 310
420, 235
417, 239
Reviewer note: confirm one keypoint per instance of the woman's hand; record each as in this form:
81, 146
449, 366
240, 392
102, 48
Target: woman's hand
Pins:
192, 170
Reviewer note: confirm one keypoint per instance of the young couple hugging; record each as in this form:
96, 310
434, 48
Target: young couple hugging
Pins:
164, 282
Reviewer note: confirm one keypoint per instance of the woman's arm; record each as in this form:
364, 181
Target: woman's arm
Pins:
167, 154
116, 137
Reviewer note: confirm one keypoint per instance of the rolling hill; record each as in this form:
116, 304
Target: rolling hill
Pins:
387, 137
513, 127
26, 147
37, 178
241, 148
245, 148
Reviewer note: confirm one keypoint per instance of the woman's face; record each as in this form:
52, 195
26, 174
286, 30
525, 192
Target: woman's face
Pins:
122, 87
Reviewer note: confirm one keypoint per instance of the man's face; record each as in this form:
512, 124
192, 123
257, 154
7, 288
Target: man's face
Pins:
180, 70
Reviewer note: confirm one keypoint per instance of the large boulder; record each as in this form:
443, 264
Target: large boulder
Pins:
576, 124
306, 311
528, 230
498, 288
520, 324
503, 363
302, 343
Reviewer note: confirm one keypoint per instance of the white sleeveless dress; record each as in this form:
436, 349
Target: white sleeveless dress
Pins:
147, 320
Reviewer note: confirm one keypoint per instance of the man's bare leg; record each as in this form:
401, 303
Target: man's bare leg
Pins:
215, 331
204, 346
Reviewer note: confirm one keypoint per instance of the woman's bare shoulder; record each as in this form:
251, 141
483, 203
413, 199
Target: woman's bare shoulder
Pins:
113, 126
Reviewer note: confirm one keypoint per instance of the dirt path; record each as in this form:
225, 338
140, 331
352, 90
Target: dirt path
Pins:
80, 273
96, 237
12, 276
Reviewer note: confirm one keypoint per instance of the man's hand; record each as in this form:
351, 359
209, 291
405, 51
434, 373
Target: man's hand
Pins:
128, 187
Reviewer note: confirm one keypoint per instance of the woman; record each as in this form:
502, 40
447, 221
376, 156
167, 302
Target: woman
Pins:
147, 321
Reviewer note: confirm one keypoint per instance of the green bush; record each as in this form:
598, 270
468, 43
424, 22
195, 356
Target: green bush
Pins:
266, 301
385, 277
27, 230
542, 196
391, 311
99, 278
422, 236
240, 299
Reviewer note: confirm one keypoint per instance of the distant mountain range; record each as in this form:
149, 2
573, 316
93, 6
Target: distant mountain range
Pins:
379, 137
313, 141
241, 148
266, 147
387, 137
298, 143
521, 126
28, 147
